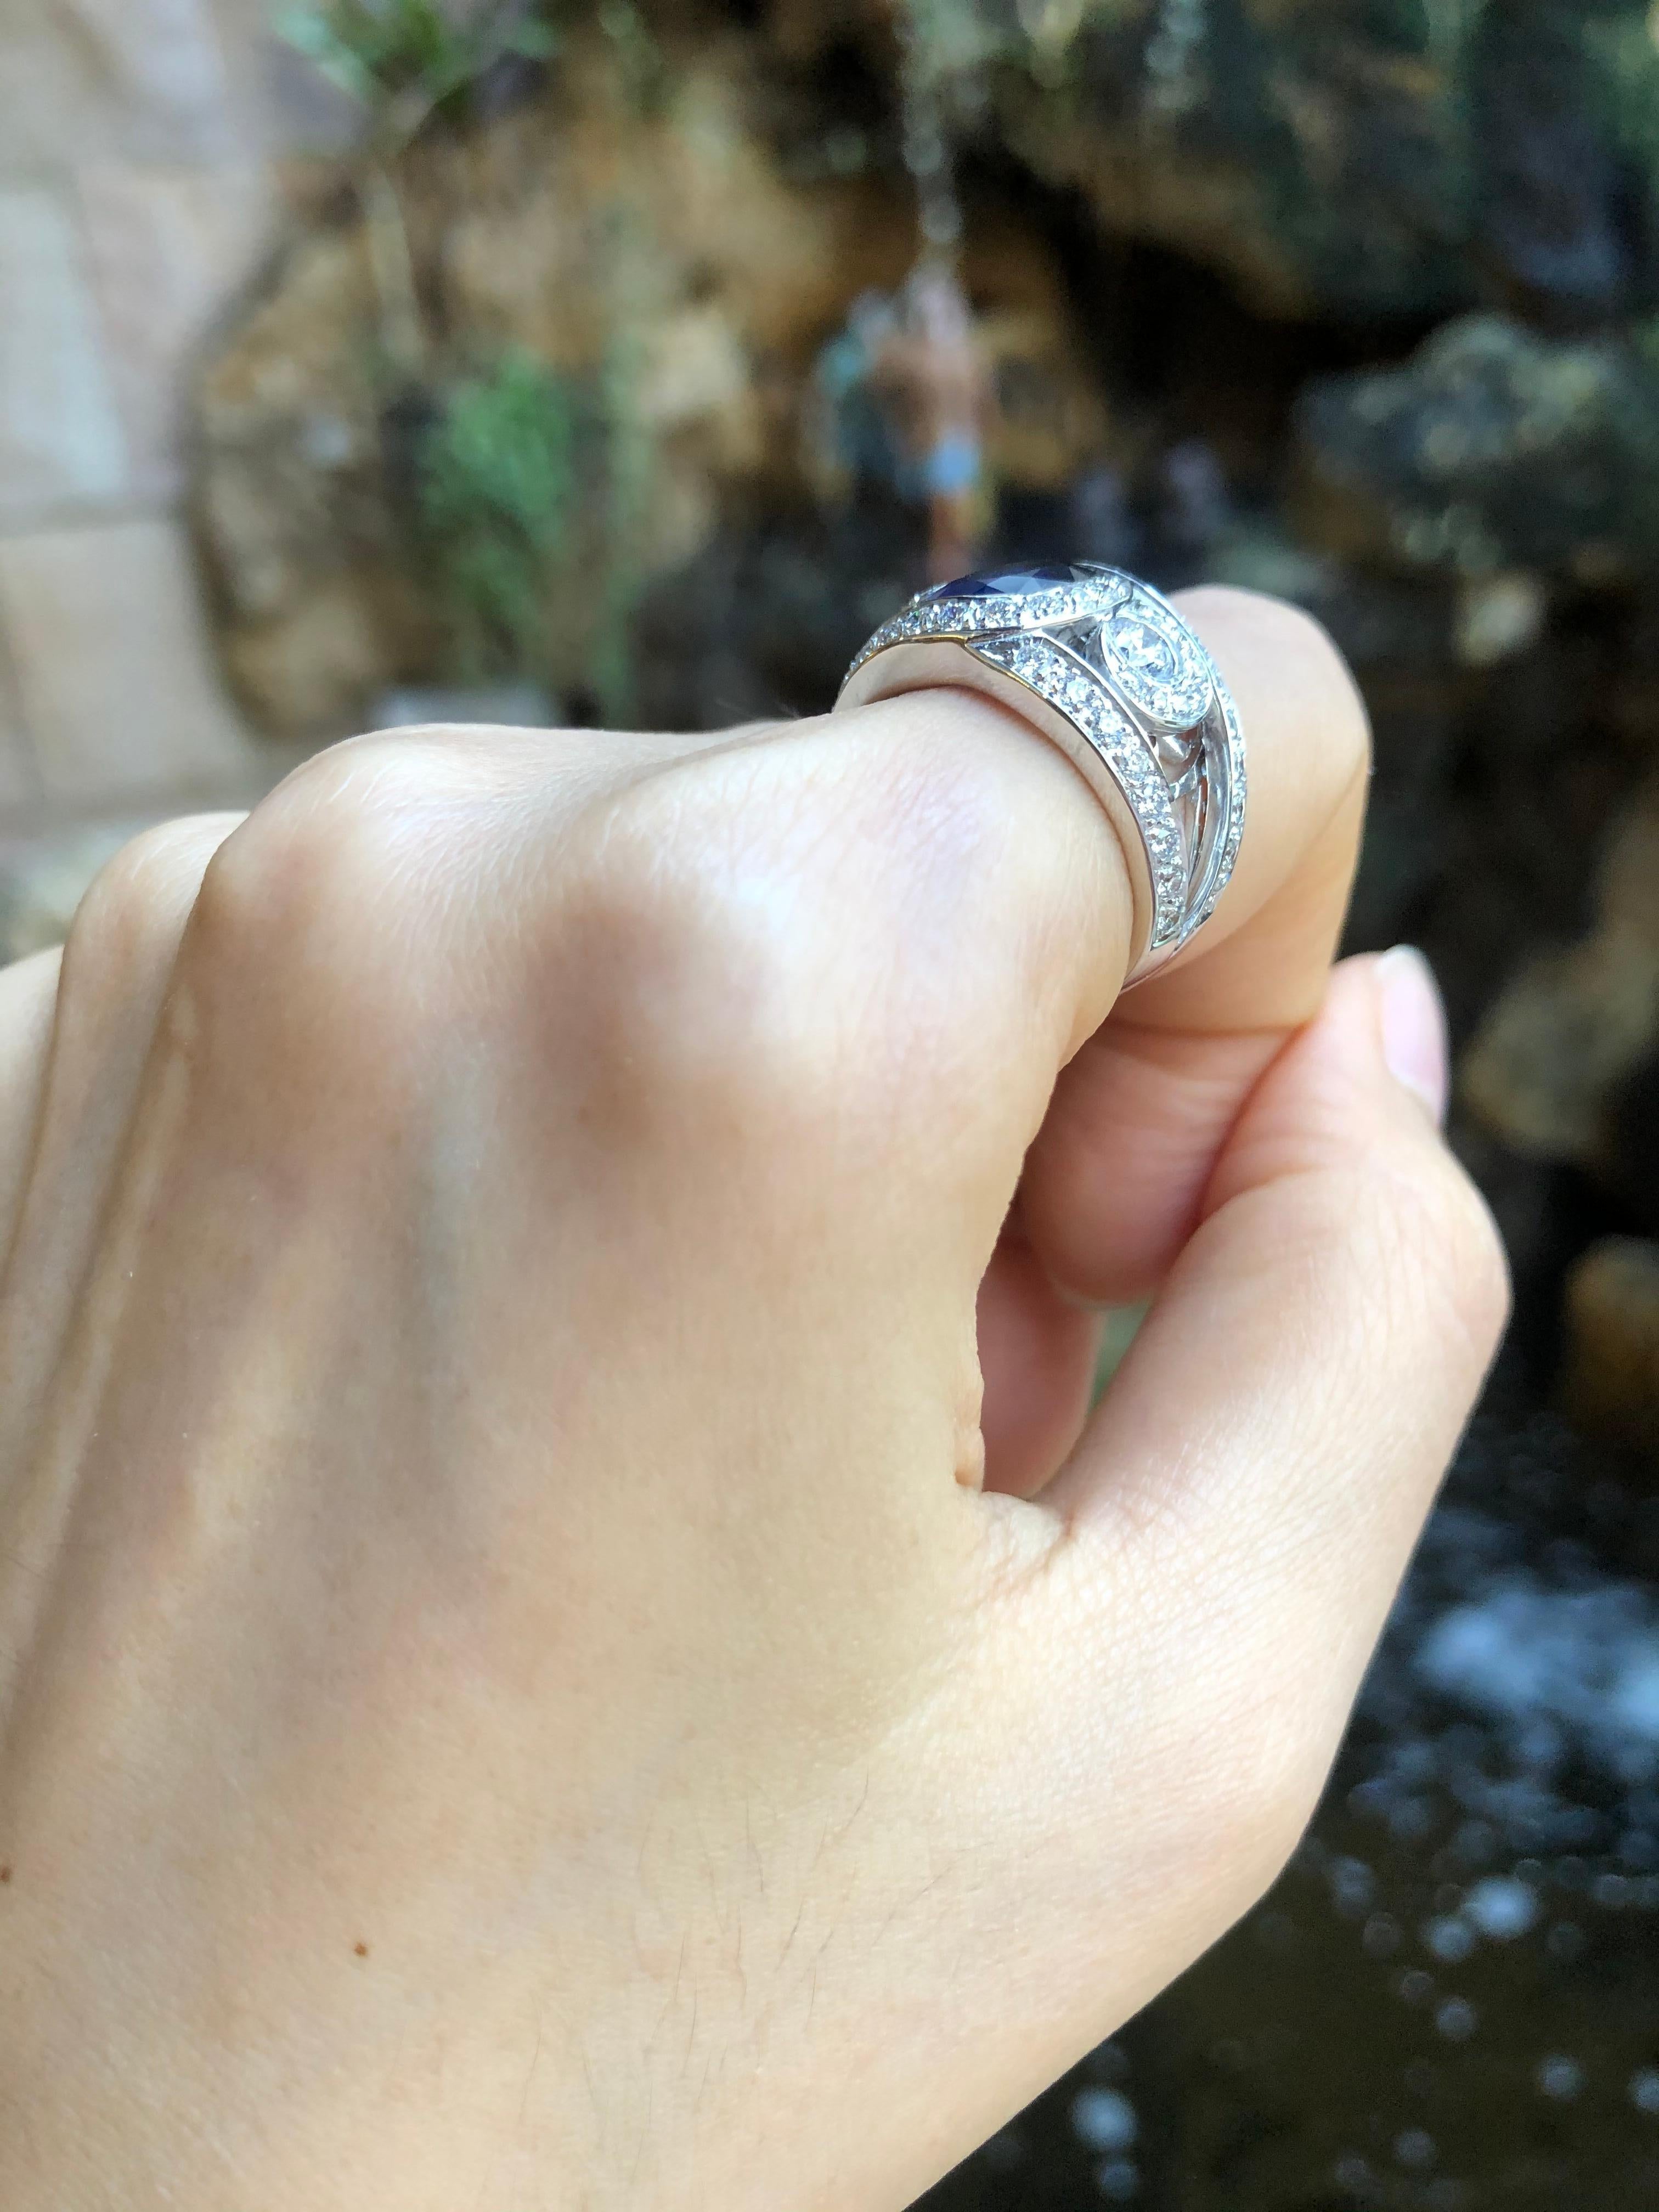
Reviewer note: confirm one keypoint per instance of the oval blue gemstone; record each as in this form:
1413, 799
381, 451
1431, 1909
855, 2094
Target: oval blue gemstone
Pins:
1013, 583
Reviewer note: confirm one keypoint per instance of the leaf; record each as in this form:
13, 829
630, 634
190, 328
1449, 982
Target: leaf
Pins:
317, 38
536, 40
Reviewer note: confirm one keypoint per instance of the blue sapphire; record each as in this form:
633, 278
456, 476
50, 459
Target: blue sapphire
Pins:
1014, 583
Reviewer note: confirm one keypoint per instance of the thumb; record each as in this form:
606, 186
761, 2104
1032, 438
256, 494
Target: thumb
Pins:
1242, 1506
1302, 1377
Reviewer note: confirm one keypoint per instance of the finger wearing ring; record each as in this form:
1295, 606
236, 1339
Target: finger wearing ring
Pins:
1106, 668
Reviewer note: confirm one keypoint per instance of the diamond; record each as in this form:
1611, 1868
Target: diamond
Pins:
1155, 663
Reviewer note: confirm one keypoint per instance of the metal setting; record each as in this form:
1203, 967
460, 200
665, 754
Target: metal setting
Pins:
1106, 670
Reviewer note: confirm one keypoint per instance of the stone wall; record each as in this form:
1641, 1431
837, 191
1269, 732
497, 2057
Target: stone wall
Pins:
149, 149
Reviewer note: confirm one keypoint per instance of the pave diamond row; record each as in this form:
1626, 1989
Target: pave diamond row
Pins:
972, 618
1221, 874
1065, 683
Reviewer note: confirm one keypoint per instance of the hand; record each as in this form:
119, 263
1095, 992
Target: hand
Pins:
527, 1675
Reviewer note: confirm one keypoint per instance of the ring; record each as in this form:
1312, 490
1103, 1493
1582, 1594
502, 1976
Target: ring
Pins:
1106, 668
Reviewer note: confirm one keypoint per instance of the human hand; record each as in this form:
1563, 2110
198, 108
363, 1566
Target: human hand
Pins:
527, 1676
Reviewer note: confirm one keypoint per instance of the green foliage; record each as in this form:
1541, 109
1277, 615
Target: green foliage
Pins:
1449, 26
639, 59
529, 478
499, 494
519, 463
382, 52
628, 477
1626, 61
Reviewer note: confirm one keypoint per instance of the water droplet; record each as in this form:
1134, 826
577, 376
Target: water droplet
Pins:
1475, 1842
1565, 1941
1416, 2147
1353, 1885
1104, 2118
1502, 1907
1450, 1938
1456, 2020
1382, 1937
1559, 2077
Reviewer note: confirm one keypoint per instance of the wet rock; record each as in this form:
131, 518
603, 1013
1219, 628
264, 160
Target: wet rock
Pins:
1336, 157
1628, 1153
659, 256
1551, 200
668, 264
1298, 148
1611, 1385
1550, 1055
1499, 616
767, 618
1494, 451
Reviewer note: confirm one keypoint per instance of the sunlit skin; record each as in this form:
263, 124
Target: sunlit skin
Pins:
566, 1636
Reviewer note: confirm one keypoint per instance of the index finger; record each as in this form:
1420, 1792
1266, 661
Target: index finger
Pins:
1263, 961
1114, 1183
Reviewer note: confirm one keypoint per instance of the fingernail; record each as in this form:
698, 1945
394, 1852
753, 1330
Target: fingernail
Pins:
1413, 1016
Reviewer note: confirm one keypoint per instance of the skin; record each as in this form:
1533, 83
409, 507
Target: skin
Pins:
564, 1638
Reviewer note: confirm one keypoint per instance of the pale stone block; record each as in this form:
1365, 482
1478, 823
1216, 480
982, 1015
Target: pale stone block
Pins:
135, 77
167, 250
19, 793
19, 786
291, 107
60, 435
114, 666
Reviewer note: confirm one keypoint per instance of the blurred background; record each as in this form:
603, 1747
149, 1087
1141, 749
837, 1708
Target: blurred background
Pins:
371, 361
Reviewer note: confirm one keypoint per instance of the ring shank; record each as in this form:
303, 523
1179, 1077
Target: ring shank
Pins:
944, 663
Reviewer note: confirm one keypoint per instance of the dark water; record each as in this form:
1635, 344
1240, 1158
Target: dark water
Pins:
1451, 2002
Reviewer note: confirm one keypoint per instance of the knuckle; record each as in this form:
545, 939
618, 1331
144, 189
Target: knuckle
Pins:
683, 971
724, 934
334, 899
1449, 1259
329, 834
831, 925
132, 912
348, 845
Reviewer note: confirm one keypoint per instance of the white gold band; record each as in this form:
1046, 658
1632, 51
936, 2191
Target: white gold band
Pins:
1106, 670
